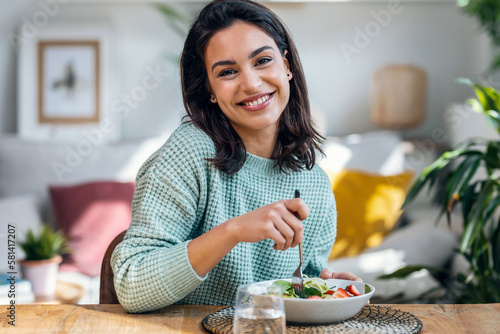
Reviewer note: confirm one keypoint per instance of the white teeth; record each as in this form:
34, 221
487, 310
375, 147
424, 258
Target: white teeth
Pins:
259, 101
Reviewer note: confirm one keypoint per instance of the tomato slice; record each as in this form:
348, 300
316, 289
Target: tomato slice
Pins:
314, 297
340, 293
352, 290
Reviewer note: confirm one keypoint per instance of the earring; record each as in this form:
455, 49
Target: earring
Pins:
213, 99
288, 75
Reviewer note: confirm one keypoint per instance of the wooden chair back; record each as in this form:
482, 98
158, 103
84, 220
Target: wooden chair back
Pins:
107, 293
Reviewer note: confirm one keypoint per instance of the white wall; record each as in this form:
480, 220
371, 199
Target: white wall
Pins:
9, 16
435, 36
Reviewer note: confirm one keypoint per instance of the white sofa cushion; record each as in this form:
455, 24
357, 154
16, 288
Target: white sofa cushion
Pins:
379, 152
420, 243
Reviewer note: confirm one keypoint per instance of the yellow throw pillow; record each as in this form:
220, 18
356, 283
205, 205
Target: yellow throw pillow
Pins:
368, 207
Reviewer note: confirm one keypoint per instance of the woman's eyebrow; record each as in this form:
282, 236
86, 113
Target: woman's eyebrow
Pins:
259, 50
232, 62
223, 63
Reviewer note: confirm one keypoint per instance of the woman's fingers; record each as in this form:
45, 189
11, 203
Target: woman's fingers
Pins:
296, 226
277, 221
293, 223
325, 274
346, 275
290, 229
297, 205
278, 238
292, 212
284, 221
287, 232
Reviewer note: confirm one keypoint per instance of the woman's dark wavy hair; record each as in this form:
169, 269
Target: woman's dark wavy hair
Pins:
297, 139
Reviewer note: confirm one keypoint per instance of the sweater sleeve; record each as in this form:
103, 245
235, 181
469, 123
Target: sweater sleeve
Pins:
324, 244
151, 265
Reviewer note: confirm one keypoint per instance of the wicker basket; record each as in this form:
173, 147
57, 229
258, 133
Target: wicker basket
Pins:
399, 96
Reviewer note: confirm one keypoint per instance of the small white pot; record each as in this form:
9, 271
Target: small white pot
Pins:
42, 274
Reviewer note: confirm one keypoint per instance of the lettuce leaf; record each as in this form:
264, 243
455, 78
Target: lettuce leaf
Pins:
283, 285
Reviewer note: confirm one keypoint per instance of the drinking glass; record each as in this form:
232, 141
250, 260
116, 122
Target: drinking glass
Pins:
259, 310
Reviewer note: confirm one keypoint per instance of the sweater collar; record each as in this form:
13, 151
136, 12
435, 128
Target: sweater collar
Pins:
261, 165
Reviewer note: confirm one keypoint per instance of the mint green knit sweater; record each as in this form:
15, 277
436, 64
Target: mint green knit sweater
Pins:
179, 196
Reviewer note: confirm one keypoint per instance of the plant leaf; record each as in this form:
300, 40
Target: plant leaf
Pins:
45, 245
175, 20
430, 173
487, 102
491, 208
462, 175
492, 157
465, 81
488, 97
495, 247
475, 223
408, 270
480, 257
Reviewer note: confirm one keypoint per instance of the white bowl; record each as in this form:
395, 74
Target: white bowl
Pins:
321, 311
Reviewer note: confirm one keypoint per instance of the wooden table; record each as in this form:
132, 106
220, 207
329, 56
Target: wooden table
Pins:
108, 319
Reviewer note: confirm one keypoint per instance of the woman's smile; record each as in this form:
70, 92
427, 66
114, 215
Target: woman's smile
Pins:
257, 102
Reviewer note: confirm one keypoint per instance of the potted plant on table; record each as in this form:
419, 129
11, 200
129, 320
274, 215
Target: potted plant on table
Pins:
478, 197
43, 256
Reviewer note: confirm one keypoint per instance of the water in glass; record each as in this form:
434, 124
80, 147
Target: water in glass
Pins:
259, 311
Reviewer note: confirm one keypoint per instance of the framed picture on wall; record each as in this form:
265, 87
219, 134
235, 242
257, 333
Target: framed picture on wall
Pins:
65, 83
68, 82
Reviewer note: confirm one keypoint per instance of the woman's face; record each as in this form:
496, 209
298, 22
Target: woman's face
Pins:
248, 78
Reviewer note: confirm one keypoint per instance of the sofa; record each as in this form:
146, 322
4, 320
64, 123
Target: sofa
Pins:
380, 167
47, 182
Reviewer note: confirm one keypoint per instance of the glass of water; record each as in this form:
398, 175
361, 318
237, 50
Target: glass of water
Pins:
259, 310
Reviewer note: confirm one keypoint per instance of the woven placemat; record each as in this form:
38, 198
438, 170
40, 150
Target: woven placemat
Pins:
371, 319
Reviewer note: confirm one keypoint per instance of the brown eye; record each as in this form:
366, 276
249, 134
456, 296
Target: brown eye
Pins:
226, 73
264, 60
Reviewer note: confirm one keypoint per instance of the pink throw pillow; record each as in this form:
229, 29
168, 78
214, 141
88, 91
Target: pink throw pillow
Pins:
91, 215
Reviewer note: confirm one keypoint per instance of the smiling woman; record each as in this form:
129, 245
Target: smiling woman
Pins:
296, 140
214, 207
251, 87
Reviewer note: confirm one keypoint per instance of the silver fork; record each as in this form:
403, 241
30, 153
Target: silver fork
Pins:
297, 278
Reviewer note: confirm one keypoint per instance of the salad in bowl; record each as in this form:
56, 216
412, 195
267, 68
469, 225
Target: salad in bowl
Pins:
317, 288
326, 301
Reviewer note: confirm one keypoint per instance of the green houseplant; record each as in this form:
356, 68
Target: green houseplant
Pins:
487, 12
43, 255
478, 198
178, 22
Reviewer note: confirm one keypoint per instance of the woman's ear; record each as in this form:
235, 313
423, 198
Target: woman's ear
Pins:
213, 99
289, 74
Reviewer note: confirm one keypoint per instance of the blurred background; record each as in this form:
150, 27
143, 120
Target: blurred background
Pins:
339, 63
381, 78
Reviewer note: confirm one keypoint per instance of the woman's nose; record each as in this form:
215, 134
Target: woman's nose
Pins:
250, 80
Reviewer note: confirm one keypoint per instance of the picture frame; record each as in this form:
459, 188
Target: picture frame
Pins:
68, 81
64, 76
